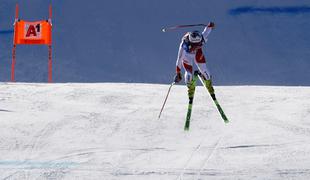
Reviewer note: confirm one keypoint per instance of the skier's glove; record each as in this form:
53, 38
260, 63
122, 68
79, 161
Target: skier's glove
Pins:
211, 25
177, 77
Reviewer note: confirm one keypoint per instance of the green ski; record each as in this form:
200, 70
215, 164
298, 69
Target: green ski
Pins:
219, 108
210, 89
188, 117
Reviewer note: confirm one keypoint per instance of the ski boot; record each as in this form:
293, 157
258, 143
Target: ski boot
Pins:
208, 84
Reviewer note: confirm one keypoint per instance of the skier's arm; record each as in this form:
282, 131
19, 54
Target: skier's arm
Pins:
207, 30
179, 61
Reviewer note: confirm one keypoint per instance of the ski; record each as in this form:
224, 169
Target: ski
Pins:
191, 93
188, 116
218, 106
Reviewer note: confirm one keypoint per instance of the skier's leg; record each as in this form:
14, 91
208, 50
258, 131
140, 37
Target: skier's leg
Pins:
201, 64
191, 92
200, 61
188, 66
188, 76
187, 61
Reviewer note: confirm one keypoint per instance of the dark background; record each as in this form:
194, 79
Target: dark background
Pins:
255, 42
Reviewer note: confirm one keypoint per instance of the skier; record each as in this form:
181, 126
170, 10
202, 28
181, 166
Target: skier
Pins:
190, 51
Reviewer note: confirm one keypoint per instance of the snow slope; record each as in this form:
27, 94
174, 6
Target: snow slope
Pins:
111, 131
255, 42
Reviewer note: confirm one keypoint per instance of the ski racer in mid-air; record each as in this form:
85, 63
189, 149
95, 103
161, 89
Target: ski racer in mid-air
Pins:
190, 51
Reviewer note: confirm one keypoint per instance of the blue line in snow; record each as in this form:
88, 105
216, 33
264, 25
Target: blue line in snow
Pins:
292, 10
38, 164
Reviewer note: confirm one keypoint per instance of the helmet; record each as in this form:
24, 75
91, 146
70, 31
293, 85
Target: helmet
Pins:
195, 37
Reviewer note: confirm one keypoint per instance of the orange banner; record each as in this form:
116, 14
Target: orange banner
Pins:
38, 32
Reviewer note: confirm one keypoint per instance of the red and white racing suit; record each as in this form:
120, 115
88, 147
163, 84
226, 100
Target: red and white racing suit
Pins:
189, 53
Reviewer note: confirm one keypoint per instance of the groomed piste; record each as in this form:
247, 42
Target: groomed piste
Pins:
112, 131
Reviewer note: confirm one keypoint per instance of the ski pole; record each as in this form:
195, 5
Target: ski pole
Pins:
165, 99
181, 26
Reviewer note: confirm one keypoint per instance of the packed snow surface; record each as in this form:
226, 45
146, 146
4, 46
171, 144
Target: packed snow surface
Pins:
112, 131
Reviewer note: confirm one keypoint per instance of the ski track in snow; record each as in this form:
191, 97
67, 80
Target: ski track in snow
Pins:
111, 131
